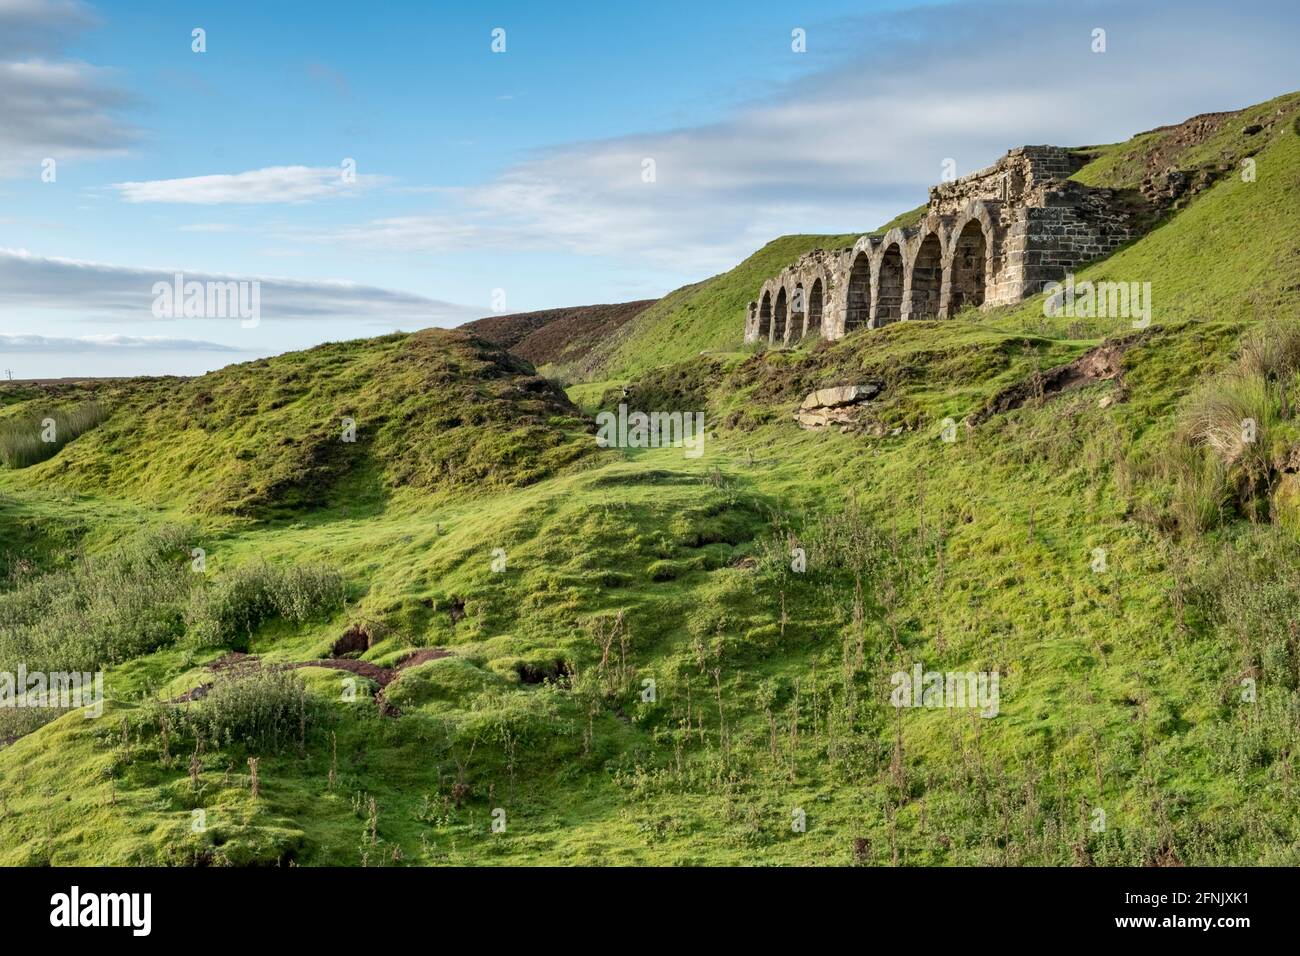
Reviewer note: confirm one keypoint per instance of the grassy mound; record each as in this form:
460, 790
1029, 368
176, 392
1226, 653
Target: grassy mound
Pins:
557, 337
342, 424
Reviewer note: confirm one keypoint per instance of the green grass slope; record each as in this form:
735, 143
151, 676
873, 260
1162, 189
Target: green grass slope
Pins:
556, 337
621, 665
437, 410
698, 317
1216, 143
704, 316
1232, 253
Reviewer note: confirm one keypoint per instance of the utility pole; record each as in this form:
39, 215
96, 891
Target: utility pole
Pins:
9, 374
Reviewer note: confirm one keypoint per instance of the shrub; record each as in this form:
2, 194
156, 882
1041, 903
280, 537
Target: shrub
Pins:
104, 609
264, 710
22, 439
229, 609
236, 605
304, 593
18, 722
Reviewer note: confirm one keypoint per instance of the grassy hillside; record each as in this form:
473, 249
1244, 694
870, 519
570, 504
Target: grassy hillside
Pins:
1230, 254
1214, 143
707, 316
437, 410
618, 659
698, 317
556, 337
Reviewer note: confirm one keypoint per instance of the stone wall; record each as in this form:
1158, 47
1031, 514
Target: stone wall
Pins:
990, 238
1018, 179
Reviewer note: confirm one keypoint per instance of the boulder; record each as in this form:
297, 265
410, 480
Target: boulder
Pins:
837, 405
840, 395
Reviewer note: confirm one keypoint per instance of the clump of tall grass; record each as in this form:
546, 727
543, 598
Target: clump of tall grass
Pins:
1272, 351
104, 609
1201, 492
18, 722
1235, 417
264, 710
227, 612
1237, 431
32, 438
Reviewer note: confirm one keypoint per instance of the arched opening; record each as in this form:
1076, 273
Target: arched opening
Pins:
798, 311
765, 317
858, 310
778, 318
927, 279
889, 290
968, 260
815, 298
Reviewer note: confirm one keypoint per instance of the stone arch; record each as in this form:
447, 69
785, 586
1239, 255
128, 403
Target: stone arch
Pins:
798, 313
857, 313
816, 306
765, 316
925, 279
780, 308
889, 286
968, 271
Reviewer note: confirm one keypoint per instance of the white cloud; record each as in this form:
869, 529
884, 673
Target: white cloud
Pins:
90, 343
274, 184
850, 147
97, 291
51, 107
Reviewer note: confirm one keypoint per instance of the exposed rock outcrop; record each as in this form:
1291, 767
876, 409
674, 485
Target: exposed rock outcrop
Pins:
838, 405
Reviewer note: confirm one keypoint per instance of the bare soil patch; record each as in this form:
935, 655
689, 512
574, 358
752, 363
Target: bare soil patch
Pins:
1101, 364
381, 675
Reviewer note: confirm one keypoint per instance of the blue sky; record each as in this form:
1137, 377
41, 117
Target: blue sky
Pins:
519, 174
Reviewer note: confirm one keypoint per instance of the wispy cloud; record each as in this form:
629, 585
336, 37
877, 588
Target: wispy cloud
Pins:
53, 107
93, 343
849, 147
274, 184
97, 291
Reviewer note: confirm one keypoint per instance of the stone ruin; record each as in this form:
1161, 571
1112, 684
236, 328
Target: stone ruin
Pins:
990, 238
